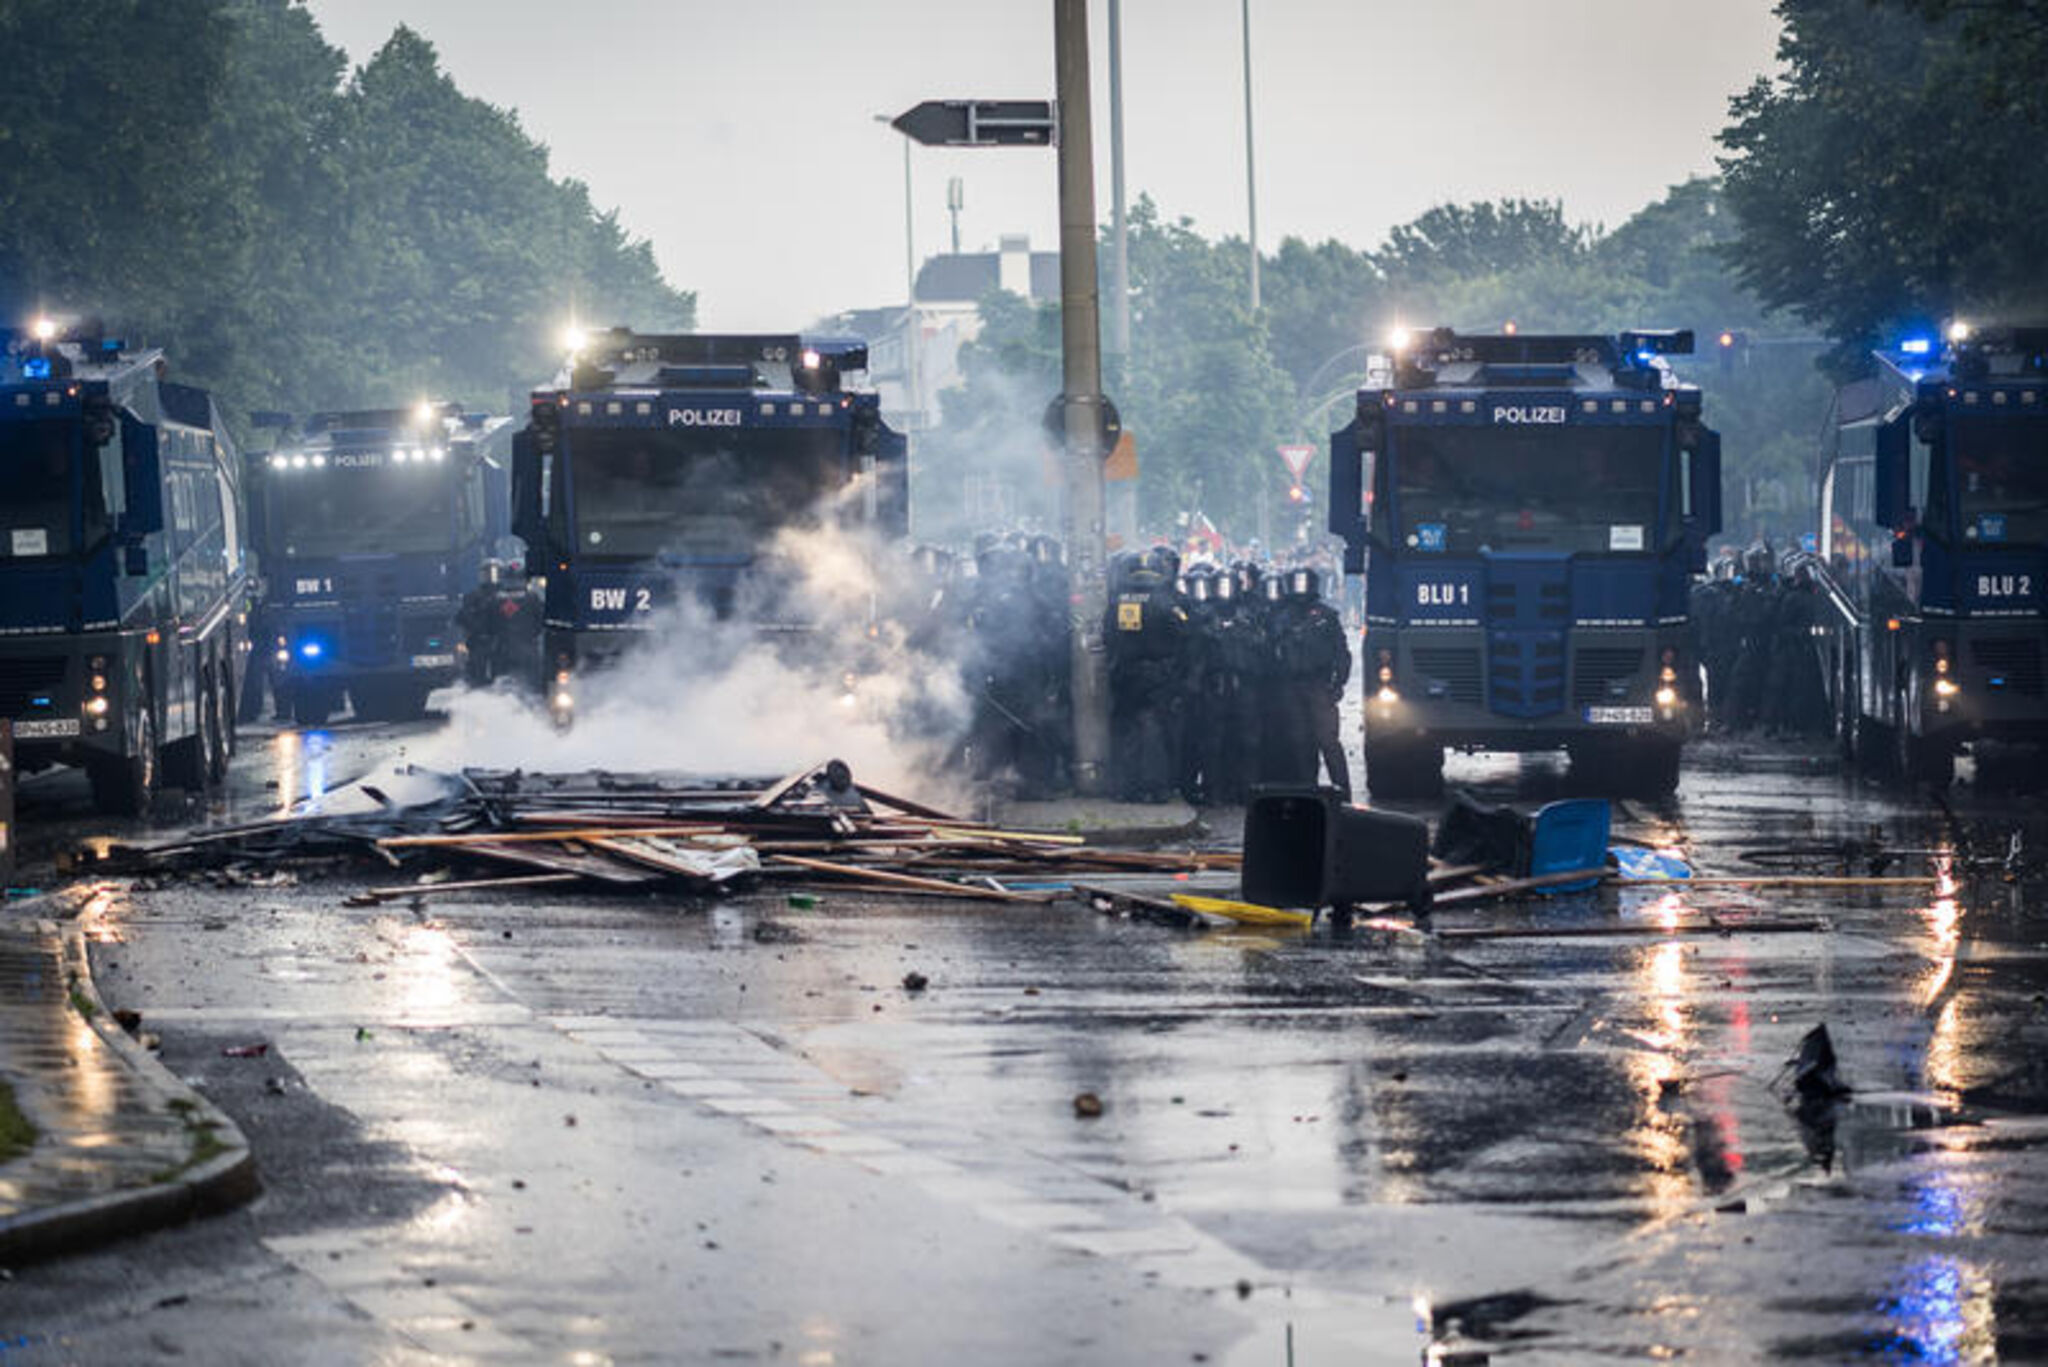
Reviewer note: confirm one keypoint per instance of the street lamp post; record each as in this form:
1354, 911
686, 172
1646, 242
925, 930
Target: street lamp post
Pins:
913, 386
1081, 354
1251, 183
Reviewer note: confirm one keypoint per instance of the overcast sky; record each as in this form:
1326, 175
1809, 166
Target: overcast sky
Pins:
739, 137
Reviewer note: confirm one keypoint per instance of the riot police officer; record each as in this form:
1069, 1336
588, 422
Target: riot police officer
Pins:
1314, 659
1145, 634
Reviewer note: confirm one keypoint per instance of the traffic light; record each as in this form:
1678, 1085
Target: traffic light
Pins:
1296, 494
1732, 346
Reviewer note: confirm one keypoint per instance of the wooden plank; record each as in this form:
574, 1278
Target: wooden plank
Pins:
862, 873
651, 854
1793, 925
1778, 881
901, 804
468, 885
599, 867
673, 831
783, 787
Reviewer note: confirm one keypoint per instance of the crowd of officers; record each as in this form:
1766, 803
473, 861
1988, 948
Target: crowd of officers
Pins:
1220, 676
1755, 617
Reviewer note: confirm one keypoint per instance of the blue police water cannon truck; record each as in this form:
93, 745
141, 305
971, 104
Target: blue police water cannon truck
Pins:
370, 526
1527, 512
661, 469
123, 587
1933, 546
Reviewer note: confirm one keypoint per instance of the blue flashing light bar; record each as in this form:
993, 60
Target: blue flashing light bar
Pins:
311, 650
1917, 346
36, 368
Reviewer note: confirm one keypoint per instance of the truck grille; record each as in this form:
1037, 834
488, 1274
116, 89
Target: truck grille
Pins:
370, 635
24, 677
1454, 668
1595, 667
1525, 672
2015, 659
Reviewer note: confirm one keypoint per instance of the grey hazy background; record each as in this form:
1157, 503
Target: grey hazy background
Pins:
739, 138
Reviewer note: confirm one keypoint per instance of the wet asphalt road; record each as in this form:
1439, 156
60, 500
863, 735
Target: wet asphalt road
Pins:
591, 1130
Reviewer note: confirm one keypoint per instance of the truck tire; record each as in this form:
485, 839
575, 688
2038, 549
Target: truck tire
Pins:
389, 700
1653, 767
312, 705
213, 726
125, 785
1919, 759
1403, 768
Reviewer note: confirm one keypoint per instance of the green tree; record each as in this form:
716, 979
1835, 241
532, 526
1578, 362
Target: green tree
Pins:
1458, 241
1204, 399
1324, 305
470, 258
104, 123
1874, 184
202, 175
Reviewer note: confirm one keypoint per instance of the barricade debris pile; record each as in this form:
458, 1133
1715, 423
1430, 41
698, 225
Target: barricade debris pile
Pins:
819, 831
813, 830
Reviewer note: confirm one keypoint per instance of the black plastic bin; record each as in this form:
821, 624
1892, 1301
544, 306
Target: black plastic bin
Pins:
1308, 847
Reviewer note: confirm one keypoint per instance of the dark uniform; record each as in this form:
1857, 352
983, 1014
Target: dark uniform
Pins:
1314, 660
1224, 724
1004, 663
1145, 634
500, 622
1717, 630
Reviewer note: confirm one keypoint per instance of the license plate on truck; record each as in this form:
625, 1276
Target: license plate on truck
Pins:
432, 661
46, 730
1618, 716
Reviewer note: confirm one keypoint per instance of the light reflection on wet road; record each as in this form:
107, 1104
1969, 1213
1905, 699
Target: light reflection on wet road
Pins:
1362, 1119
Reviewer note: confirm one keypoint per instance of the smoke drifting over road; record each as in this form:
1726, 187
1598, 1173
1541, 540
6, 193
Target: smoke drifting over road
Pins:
709, 696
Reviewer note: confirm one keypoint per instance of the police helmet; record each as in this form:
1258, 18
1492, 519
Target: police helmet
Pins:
1272, 588
1248, 577
1303, 582
1164, 561
1122, 566
1226, 586
1046, 550
1200, 584
1759, 563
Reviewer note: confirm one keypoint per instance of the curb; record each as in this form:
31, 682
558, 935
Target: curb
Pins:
221, 1183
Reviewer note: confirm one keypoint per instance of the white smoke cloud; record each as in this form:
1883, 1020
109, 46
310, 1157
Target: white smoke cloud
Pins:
704, 696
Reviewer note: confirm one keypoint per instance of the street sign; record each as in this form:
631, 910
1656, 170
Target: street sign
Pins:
1297, 458
1123, 459
980, 123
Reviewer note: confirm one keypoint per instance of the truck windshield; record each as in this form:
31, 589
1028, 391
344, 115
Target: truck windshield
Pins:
1562, 489
376, 511
35, 487
2002, 479
719, 494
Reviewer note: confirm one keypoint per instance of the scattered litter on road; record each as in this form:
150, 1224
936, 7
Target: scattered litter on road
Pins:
816, 828
1815, 1073
245, 1051
1087, 1105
